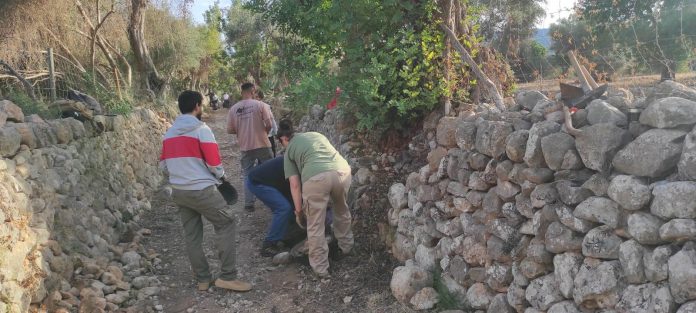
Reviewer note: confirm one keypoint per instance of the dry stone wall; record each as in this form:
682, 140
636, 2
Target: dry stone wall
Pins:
517, 213
70, 198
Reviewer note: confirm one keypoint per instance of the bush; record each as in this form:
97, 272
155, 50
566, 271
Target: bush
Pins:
30, 106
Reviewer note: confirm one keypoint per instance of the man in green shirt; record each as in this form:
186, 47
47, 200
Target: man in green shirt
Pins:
317, 173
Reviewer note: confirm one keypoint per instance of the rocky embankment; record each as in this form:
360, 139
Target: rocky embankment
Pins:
517, 212
70, 198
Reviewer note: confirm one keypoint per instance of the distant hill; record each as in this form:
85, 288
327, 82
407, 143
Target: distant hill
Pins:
543, 37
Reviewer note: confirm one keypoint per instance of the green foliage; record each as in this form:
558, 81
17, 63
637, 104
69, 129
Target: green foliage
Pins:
630, 36
30, 106
387, 56
447, 301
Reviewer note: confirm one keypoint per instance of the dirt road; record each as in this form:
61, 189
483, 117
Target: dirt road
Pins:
360, 282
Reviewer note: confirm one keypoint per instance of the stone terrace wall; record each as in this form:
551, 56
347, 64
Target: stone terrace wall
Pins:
515, 214
69, 193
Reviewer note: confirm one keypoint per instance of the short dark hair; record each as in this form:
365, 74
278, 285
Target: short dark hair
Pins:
247, 87
189, 100
285, 129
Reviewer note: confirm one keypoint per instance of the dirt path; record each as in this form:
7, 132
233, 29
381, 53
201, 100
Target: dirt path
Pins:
360, 282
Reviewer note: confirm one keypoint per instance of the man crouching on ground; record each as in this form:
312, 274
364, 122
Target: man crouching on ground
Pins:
191, 159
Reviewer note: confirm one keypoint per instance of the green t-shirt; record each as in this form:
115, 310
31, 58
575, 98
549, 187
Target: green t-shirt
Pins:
309, 154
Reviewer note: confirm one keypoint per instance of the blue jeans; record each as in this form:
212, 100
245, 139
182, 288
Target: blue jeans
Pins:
249, 160
279, 205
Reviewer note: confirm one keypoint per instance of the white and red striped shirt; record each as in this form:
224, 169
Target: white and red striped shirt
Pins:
190, 155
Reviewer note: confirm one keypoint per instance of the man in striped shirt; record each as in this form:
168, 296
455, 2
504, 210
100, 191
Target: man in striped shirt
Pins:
191, 159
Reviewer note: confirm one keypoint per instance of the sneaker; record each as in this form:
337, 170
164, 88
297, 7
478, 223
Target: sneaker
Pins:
234, 285
270, 249
324, 275
249, 208
203, 286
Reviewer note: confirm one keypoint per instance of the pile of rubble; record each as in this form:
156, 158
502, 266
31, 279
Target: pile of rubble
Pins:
529, 211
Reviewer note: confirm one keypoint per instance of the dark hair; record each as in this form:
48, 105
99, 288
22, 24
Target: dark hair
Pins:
285, 129
247, 87
189, 100
260, 95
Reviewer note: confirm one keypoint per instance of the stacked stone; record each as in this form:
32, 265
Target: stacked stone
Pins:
515, 214
70, 198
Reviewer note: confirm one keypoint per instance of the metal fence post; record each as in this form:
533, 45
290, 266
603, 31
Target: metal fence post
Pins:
51, 74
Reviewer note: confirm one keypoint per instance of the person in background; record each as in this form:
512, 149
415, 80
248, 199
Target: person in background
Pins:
191, 160
274, 128
251, 120
317, 174
226, 100
213, 100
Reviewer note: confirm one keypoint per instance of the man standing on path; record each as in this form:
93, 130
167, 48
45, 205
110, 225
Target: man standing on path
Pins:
191, 159
317, 174
251, 120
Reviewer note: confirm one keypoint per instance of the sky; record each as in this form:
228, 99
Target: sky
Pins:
555, 9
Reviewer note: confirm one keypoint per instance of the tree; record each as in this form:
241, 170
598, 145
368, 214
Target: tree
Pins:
150, 78
658, 33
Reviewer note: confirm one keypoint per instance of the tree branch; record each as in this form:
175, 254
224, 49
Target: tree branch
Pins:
482, 77
27, 86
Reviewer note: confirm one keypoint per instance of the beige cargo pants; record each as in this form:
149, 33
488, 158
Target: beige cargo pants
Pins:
316, 193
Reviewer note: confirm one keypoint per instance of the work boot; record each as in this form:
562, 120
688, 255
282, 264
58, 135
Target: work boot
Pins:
203, 286
270, 248
234, 285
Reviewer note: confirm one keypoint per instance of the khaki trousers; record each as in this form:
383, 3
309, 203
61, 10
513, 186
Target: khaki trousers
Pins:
316, 192
193, 204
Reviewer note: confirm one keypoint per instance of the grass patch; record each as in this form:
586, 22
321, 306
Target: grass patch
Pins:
30, 106
447, 301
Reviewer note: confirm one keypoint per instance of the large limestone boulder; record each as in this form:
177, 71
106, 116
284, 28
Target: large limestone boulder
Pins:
654, 153
669, 113
479, 296
543, 292
601, 243
597, 284
408, 280
533, 155
491, 137
529, 99
397, 196
655, 262
565, 267
687, 161
631, 192
597, 145
425, 299
599, 210
465, 135
689, 307
682, 274
671, 88
10, 140
680, 229
446, 131
644, 228
11, 111
516, 144
646, 298
555, 147
674, 200
599, 111
631, 258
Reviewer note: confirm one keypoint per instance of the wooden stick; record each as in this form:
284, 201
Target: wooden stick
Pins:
482, 77
586, 86
27, 86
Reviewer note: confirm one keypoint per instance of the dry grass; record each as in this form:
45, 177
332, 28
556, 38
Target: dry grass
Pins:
632, 82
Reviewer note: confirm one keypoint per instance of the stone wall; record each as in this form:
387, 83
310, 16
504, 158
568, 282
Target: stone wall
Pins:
70, 197
516, 212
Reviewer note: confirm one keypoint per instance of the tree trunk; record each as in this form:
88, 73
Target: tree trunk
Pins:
668, 70
150, 79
